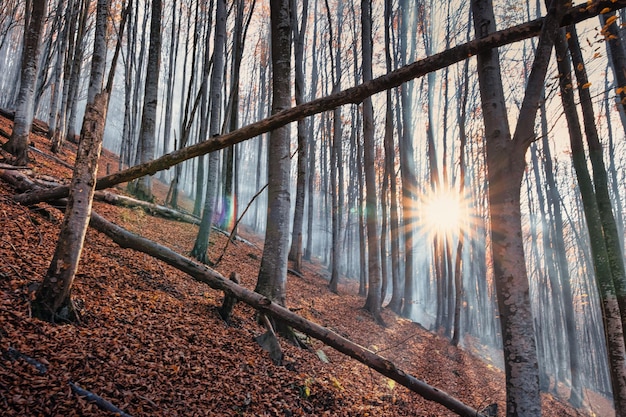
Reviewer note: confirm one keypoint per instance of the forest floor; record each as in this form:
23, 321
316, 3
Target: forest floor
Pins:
151, 341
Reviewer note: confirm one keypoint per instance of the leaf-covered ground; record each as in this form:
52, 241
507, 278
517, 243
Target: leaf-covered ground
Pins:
152, 343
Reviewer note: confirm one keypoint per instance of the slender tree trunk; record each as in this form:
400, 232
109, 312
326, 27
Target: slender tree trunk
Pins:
458, 263
408, 173
600, 178
33, 27
147, 134
373, 301
169, 95
614, 334
295, 253
201, 244
395, 304
272, 278
75, 75
99, 54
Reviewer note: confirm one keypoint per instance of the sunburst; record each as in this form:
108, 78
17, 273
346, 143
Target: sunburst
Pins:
443, 211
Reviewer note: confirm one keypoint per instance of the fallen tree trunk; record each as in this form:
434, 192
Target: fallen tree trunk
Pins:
353, 95
150, 208
264, 305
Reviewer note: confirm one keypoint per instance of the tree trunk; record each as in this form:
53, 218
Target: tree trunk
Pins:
33, 28
506, 166
99, 54
295, 252
611, 317
53, 298
354, 94
373, 301
395, 304
147, 134
600, 179
74, 78
169, 96
272, 277
201, 244
409, 180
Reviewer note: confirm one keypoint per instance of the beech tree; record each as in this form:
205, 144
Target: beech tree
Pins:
147, 133
53, 297
505, 169
612, 316
299, 31
201, 244
272, 278
335, 146
33, 28
374, 300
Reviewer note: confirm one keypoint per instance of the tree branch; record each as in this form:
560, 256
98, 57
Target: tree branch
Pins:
352, 95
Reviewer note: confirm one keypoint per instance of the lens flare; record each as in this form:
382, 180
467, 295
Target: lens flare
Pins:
442, 212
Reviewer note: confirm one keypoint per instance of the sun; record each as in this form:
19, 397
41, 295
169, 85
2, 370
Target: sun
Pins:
443, 212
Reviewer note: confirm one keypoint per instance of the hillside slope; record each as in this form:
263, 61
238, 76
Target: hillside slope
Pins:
152, 343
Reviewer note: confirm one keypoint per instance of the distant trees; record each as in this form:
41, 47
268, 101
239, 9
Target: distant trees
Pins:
349, 158
33, 28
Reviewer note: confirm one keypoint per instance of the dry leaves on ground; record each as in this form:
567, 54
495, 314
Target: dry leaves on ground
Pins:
152, 343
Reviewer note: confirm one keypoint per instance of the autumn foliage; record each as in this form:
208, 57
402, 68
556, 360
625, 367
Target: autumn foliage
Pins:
151, 341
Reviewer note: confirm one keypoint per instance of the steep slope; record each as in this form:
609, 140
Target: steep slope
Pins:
152, 343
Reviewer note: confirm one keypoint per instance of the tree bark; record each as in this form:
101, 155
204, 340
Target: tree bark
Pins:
33, 28
506, 165
295, 252
353, 95
272, 279
266, 306
53, 298
147, 134
201, 244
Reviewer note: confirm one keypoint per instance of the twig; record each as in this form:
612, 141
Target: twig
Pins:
14, 269
237, 223
96, 399
398, 344
15, 354
11, 167
54, 158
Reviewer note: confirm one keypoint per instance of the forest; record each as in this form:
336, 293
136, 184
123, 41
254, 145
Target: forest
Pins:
313, 207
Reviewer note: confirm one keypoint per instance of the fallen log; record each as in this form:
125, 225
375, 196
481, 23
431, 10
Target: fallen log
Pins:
150, 208
264, 305
352, 95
